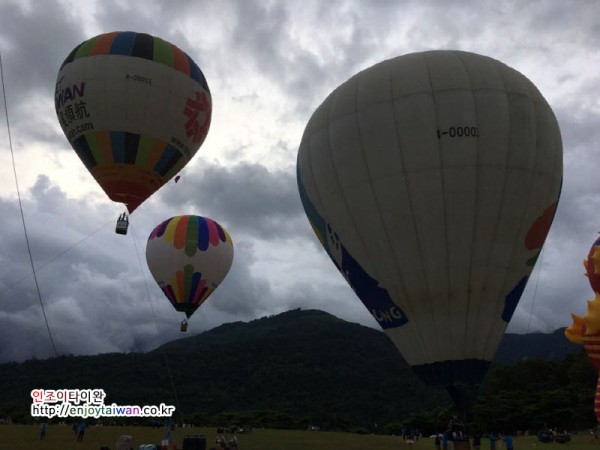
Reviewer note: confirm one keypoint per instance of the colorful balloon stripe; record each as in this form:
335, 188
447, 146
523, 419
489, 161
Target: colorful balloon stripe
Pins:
187, 289
193, 283
183, 230
159, 230
169, 159
119, 147
202, 231
201, 294
83, 151
592, 266
168, 291
141, 45
539, 230
149, 163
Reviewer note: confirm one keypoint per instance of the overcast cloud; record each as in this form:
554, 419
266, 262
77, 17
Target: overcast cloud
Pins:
269, 64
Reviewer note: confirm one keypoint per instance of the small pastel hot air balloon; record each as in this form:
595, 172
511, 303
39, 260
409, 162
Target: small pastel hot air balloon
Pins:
586, 330
431, 180
189, 256
135, 108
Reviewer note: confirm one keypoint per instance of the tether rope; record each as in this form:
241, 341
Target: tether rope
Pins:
535, 290
21, 209
162, 347
54, 258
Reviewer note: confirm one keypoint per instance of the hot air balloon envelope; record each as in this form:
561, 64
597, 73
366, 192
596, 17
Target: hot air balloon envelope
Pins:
431, 180
188, 257
135, 108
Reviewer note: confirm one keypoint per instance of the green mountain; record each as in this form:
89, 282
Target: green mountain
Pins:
303, 366
546, 346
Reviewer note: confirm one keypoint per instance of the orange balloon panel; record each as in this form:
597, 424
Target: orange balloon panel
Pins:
135, 108
592, 266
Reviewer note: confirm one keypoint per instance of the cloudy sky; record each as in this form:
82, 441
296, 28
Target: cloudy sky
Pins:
269, 64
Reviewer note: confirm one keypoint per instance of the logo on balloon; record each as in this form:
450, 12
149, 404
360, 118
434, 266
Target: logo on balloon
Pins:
68, 94
375, 298
392, 316
197, 110
539, 230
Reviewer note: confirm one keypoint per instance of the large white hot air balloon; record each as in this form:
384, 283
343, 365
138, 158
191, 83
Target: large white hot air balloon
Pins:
432, 179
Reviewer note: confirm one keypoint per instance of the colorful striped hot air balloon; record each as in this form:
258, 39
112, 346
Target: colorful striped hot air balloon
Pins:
135, 108
189, 256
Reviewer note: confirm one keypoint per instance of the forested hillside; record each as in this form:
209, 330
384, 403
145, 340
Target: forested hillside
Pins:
304, 367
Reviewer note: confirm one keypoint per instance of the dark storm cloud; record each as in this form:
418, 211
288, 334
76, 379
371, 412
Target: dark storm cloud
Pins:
265, 39
249, 198
73, 261
35, 40
95, 283
243, 295
287, 56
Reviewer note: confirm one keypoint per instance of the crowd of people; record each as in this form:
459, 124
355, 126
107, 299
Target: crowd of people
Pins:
448, 440
455, 437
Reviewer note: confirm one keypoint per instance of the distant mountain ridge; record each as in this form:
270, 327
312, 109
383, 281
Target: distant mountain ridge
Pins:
546, 346
306, 363
513, 347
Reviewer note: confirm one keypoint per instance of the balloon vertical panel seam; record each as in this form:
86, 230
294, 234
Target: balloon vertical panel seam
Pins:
421, 341
488, 338
340, 187
471, 299
516, 244
456, 304
401, 285
435, 313
399, 288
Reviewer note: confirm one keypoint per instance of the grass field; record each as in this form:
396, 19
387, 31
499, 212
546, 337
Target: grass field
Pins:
60, 437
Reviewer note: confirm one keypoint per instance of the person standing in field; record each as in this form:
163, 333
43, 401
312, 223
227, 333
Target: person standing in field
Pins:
81, 431
43, 430
508, 441
476, 441
492, 438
